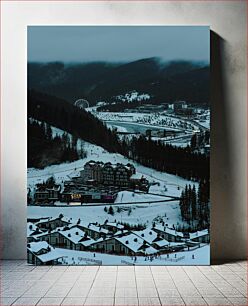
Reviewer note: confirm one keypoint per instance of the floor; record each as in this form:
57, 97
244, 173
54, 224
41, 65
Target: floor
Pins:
224, 284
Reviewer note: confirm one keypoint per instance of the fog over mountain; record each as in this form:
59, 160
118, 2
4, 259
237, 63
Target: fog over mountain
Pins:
101, 81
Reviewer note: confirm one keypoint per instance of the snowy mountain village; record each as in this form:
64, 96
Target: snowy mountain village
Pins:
119, 176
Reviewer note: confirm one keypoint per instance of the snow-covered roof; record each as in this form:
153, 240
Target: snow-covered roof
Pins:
57, 229
135, 243
87, 242
52, 255
37, 246
94, 228
74, 234
120, 232
161, 243
150, 250
51, 219
198, 234
100, 240
168, 230
98, 229
115, 224
147, 234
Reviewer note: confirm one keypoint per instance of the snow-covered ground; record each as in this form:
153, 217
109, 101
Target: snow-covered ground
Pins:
150, 119
169, 212
163, 185
201, 257
167, 184
139, 123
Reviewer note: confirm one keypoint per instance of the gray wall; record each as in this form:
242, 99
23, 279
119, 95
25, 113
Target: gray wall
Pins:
227, 20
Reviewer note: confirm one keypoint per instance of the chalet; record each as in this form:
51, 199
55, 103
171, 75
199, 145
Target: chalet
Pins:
45, 194
94, 231
72, 238
138, 181
113, 227
168, 234
52, 223
161, 245
76, 239
153, 238
148, 234
134, 245
128, 244
52, 237
200, 236
41, 253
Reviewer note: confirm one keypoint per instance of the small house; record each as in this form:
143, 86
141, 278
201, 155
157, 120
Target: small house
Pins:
41, 253
200, 236
52, 223
168, 234
94, 231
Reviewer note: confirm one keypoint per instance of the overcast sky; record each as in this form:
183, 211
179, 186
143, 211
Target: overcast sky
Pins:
117, 43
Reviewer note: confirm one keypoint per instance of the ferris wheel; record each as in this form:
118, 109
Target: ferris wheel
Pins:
81, 103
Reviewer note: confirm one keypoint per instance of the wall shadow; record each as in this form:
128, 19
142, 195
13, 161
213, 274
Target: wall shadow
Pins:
221, 169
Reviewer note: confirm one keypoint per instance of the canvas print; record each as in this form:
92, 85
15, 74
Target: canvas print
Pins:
118, 145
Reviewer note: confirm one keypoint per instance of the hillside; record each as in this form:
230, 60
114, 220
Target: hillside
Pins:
81, 124
66, 116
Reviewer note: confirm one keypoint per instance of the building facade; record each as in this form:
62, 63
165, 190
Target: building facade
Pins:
107, 173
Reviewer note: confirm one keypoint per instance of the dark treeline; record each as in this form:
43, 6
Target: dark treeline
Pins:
195, 205
164, 157
45, 150
71, 119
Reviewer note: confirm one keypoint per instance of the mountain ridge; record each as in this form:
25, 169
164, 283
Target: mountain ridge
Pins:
98, 81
